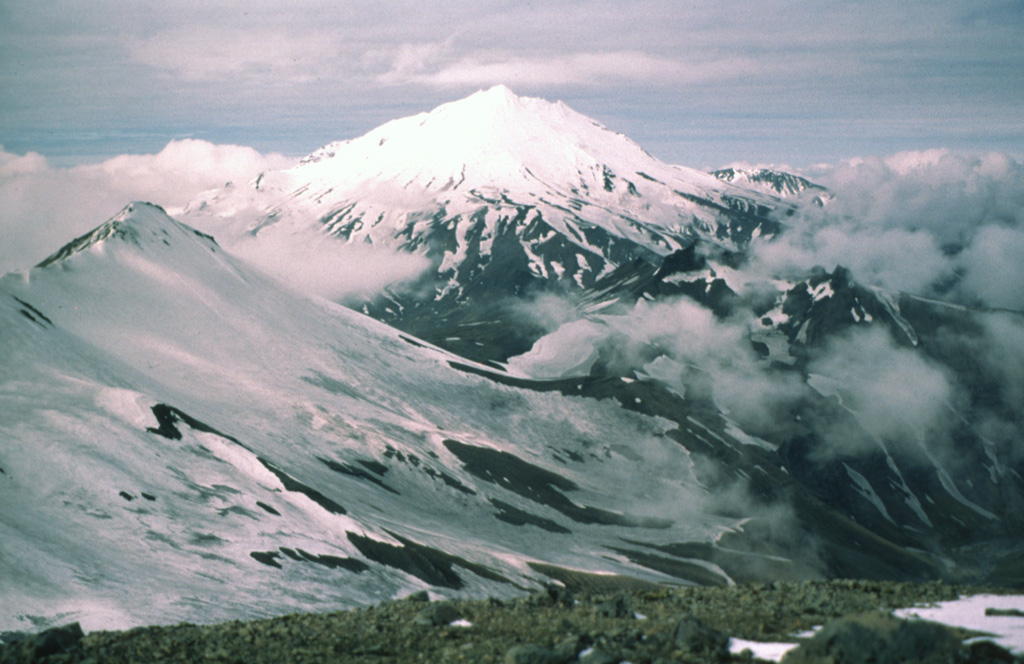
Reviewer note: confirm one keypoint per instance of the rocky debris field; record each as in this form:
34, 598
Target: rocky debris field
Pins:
588, 620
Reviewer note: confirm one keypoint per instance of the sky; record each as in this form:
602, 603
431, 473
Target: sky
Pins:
697, 83
912, 113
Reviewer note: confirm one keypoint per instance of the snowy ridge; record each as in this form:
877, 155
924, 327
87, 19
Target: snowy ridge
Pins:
777, 183
171, 415
137, 223
448, 183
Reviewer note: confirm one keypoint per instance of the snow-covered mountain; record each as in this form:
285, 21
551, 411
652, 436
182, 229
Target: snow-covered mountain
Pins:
504, 195
494, 160
513, 198
769, 181
186, 440
181, 423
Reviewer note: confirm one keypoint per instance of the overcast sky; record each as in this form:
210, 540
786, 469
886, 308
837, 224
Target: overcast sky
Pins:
699, 83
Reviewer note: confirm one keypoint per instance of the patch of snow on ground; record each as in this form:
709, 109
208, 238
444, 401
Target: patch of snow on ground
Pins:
772, 652
969, 613
742, 436
966, 612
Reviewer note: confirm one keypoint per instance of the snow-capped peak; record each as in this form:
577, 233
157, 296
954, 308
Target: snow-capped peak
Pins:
491, 139
498, 95
137, 223
774, 182
473, 178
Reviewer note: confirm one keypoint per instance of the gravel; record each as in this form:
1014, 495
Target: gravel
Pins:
580, 621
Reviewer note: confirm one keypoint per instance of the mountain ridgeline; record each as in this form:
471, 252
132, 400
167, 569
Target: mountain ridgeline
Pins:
590, 373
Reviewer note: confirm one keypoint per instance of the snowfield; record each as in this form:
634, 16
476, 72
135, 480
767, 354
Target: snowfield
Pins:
187, 440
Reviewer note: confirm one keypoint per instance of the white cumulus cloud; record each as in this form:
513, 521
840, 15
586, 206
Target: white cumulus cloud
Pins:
933, 222
42, 207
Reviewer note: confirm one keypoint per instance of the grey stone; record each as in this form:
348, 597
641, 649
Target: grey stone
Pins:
692, 635
880, 638
600, 656
435, 615
617, 607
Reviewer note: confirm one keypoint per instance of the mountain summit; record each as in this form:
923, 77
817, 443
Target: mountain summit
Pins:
138, 224
495, 150
495, 140
503, 196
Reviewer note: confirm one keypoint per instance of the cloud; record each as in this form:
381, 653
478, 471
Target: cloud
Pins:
703, 83
895, 258
42, 207
1003, 346
679, 344
858, 395
895, 393
944, 192
214, 54
993, 267
327, 267
12, 165
934, 222
434, 65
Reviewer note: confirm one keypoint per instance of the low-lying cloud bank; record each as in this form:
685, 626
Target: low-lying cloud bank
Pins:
43, 207
327, 267
934, 223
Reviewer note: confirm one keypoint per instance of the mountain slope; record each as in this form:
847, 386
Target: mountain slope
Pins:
504, 196
622, 390
776, 183
563, 255
188, 441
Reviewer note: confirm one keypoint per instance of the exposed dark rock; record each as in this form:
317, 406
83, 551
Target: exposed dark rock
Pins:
354, 471
22, 649
267, 558
517, 517
292, 484
880, 638
169, 416
425, 563
437, 614
616, 607
693, 636
537, 484
267, 508
328, 561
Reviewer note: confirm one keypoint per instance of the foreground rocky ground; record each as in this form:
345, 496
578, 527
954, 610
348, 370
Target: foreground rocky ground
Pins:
589, 620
